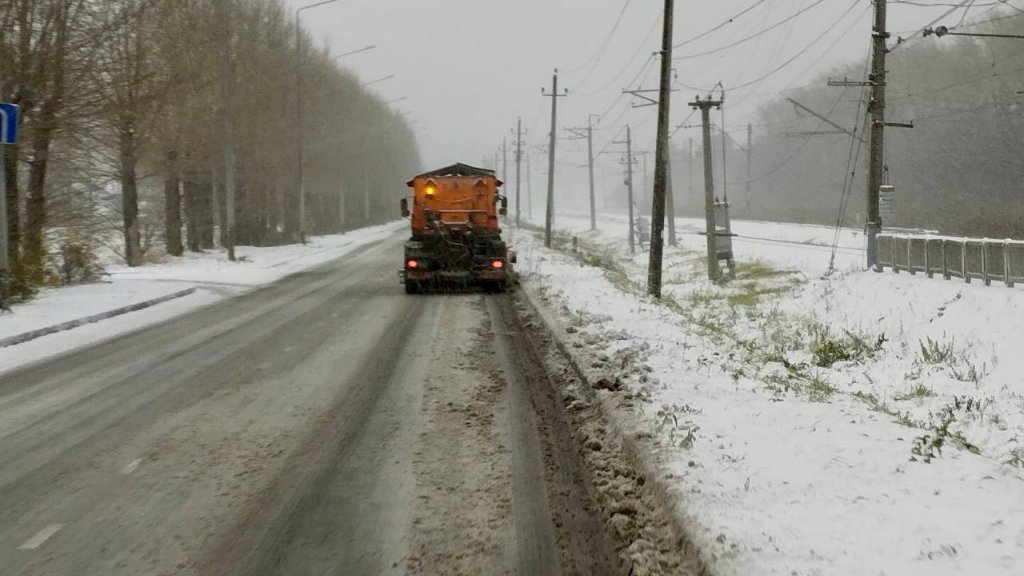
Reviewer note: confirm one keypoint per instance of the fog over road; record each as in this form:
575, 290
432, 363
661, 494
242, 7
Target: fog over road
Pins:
328, 424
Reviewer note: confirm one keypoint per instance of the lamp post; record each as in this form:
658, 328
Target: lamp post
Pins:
300, 151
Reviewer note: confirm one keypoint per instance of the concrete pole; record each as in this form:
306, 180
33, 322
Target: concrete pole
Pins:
714, 272
529, 189
549, 220
629, 189
590, 168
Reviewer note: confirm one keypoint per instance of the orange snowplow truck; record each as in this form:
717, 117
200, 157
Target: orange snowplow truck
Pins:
456, 238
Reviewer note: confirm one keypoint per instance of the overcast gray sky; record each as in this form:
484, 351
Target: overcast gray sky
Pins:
470, 67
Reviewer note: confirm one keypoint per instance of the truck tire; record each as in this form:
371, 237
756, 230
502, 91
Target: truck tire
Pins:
413, 287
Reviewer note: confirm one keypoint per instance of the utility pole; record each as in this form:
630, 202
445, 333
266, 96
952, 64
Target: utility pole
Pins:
725, 148
661, 156
670, 206
549, 219
590, 162
229, 132
750, 158
629, 162
504, 159
877, 109
529, 189
519, 166
689, 171
705, 106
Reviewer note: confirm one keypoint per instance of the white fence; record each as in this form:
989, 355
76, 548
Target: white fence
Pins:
967, 258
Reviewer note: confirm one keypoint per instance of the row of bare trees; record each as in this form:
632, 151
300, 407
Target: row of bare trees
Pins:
121, 130
959, 170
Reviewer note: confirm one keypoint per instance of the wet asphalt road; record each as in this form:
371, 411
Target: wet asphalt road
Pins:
328, 424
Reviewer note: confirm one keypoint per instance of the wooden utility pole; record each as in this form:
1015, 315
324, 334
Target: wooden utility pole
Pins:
705, 106
661, 156
549, 219
877, 109
519, 167
629, 186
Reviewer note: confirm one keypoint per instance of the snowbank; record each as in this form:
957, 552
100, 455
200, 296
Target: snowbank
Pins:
858, 423
211, 273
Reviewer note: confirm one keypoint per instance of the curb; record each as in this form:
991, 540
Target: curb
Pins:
640, 458
64, 326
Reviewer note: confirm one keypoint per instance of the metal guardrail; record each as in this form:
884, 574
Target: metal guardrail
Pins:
967, 258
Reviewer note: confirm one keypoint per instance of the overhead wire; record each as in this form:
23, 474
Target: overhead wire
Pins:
596, 57
706, 33
750, 37
632, 59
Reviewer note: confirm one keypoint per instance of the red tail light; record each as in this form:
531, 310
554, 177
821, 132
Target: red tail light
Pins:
412, 264
497, 264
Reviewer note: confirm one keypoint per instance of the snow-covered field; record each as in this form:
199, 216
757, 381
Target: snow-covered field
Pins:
859, 423
211, 273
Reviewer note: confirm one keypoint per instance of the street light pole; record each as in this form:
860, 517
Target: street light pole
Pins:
300, 151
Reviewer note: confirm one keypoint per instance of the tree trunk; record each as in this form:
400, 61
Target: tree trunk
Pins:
172, 208
130, 200
10, 170
33, 244
205, 199
191, 213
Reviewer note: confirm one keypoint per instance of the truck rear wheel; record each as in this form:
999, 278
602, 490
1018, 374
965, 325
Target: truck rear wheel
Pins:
413, 287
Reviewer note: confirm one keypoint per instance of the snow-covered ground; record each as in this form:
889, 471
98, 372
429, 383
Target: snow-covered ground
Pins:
211, 273
856, 423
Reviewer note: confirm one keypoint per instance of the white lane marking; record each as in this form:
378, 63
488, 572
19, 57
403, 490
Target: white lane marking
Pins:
43, 535
131, 467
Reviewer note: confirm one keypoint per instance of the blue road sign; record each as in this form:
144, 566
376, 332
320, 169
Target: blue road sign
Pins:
8, 123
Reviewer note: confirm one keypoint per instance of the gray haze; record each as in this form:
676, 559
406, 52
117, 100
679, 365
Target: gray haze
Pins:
470, 67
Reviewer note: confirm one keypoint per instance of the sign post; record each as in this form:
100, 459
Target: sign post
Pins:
8, 135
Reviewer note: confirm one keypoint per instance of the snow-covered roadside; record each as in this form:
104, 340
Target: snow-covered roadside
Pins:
795, 437
211, 273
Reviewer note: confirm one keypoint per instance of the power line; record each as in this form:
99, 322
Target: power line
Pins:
629, 63
720, 26
796, 56
600, 52
757, 34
